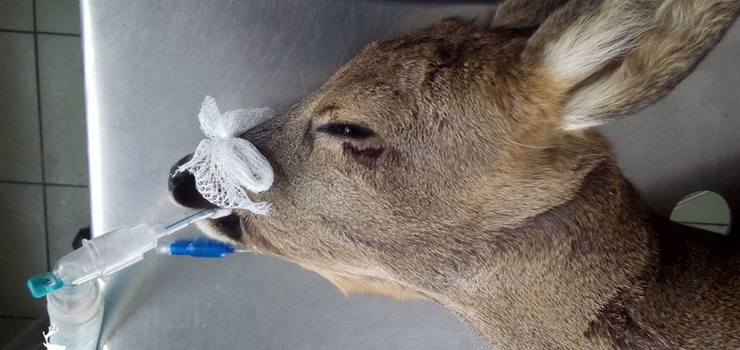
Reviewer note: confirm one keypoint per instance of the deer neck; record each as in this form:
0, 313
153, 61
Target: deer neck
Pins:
549, 278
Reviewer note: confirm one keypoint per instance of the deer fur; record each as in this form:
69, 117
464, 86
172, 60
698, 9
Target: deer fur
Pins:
478, 182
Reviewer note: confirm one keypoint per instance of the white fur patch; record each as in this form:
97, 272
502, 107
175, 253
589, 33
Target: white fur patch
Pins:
588, 46
594, 40
586, 105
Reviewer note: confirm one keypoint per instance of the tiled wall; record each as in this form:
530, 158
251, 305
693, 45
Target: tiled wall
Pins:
43, 160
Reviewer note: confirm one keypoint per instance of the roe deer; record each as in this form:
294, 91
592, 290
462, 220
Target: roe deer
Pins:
459, 164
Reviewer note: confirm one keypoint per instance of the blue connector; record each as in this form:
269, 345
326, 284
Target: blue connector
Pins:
199, 247
42, 285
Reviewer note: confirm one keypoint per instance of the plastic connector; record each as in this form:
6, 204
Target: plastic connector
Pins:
107, 254
42, 285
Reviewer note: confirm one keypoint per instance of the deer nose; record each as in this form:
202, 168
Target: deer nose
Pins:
182, 187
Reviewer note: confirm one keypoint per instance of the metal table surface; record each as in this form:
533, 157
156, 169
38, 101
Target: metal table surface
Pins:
148, 66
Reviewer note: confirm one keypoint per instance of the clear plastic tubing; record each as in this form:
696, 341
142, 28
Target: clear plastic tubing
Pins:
75, 300
107, 254
76, 313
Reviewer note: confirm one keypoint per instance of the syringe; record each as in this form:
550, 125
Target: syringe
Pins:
107, 254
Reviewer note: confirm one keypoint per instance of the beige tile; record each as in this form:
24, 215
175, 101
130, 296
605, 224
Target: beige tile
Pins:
58, 16
23, 247
62, 110
68, 210
20, 149
16, 14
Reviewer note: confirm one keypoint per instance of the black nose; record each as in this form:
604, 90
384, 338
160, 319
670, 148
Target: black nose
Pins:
182, 187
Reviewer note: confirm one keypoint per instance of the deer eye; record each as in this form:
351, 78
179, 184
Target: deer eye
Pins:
346, 130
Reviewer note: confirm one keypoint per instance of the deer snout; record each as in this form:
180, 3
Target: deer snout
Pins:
182, 187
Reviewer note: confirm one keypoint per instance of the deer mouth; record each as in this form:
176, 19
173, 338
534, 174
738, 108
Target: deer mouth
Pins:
227, 228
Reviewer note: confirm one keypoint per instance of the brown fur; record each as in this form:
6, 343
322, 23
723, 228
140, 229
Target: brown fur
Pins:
483, 188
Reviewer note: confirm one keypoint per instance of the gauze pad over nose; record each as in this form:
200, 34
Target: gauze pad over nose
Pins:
225, 166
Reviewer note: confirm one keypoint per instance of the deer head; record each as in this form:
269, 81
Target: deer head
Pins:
410, 171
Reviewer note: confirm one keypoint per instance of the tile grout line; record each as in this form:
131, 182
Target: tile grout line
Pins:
17, 31
41, 132
12, 182
18, 317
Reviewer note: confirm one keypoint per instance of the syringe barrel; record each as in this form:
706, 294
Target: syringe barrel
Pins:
104, 255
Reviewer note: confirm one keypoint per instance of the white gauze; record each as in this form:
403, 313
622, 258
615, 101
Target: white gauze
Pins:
225, 166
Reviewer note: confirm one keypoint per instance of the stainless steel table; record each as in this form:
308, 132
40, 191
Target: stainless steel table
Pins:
148, 66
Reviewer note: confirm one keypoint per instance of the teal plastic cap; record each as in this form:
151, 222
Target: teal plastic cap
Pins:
42, 285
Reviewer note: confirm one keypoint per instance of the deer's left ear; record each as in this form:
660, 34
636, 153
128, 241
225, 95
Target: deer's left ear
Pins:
610, 58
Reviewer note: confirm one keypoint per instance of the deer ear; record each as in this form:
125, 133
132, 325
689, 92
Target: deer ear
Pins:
610, 58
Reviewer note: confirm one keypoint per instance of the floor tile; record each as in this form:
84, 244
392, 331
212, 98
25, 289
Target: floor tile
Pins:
20, 150
16, 14
23, 247
10, 327
68, 210
28, 337
62, 110
58, 16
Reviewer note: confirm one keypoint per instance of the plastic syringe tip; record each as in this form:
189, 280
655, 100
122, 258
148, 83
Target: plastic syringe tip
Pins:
179, 222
